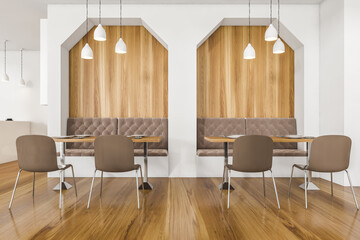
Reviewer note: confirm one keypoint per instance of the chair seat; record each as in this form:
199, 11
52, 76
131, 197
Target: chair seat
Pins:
276, 152
137, 152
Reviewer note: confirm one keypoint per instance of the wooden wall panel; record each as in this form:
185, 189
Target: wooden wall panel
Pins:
134, 84
229, 86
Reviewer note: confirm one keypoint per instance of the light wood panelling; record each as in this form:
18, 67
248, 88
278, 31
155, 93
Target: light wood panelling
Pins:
113, 85
229, 86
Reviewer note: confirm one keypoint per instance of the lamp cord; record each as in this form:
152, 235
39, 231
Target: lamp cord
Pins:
120, 18
270, 11
87, 20
249, 21
5, 56
21, 62
279, 18
99, 11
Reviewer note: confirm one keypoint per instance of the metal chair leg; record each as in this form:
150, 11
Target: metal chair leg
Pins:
91, 188
137, 188
305, 185
101, 184
13, 194
332, 188
229, 177
263, 175
292, 172
33, 192
142, 182
222, 184
73, 176
60, 173
352, 189
276, 194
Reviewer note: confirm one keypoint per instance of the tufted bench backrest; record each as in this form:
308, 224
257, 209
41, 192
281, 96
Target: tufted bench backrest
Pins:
218, 127
145, 126
273, 127
90, 126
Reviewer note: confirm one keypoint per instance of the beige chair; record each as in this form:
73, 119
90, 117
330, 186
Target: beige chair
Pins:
115, 154
38, 154
328, 154
252, 154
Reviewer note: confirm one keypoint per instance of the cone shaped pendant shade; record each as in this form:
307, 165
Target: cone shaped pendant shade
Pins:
86, 52
120, 47
249, 52
99, 33
279, 47
271, 33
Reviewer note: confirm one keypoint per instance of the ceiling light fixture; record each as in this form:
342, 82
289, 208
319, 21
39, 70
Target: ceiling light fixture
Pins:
249, 52
271, 33
100, 33
5, 77
120, 47
86, 52
279, 46
22, 82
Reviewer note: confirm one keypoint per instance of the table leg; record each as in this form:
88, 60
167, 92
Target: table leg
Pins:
226, 161
311, 185
147, 185
65, 185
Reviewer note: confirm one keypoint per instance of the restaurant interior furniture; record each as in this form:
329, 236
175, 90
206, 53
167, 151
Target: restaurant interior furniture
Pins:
328, 154
38, 154
252, 154
115, 154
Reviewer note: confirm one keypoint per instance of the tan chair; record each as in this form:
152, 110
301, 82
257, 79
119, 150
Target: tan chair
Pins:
38, 154
115, 154
252, 154
328, 154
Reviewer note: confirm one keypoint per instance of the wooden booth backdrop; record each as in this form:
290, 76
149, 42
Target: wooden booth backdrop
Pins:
230, 87
134, 84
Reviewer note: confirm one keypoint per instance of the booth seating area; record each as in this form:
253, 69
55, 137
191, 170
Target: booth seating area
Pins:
118, 126
246, 126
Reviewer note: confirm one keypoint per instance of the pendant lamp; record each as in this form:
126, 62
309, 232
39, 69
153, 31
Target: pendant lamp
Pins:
271, 33
99, 33
249, 52
120, 47
86, 52
279, 46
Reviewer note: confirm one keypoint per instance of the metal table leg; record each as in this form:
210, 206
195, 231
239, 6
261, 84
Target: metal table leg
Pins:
147, 185
65, 185
226, 161
311, 185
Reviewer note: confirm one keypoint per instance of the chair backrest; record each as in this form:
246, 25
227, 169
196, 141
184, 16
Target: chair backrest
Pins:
90, 126
273, 127
114, 153
36, 153
253, 153
145, 126
330, 153
218, 127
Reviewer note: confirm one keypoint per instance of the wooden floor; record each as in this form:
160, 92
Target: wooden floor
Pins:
177, 208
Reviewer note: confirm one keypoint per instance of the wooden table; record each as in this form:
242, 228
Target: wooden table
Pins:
145, 140
227, 140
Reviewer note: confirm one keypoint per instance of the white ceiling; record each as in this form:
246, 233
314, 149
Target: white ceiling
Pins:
20, 19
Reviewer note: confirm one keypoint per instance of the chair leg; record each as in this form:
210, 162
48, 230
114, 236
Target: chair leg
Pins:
352, 189
73, 176
292, 172
33, 192
91, 188
60, 173
276, 194
229, 177
305, 185
332, 187
137, 188
101, 184
263, 175
222, 184
13, 194
142, 182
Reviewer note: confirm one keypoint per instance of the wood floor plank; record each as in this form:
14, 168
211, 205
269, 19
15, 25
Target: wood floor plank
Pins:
177, 208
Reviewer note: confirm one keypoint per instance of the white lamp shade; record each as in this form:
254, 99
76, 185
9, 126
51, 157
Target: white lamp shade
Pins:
120, 47
86, 52
5, 77
99, 33
22, 82
249, 52
271, 33
279, 47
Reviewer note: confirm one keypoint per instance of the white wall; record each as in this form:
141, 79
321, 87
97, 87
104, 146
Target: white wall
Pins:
352, 83
23, 103
182, 27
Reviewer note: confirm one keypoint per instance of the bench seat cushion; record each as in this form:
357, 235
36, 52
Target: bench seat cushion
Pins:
137, 152
276, 152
